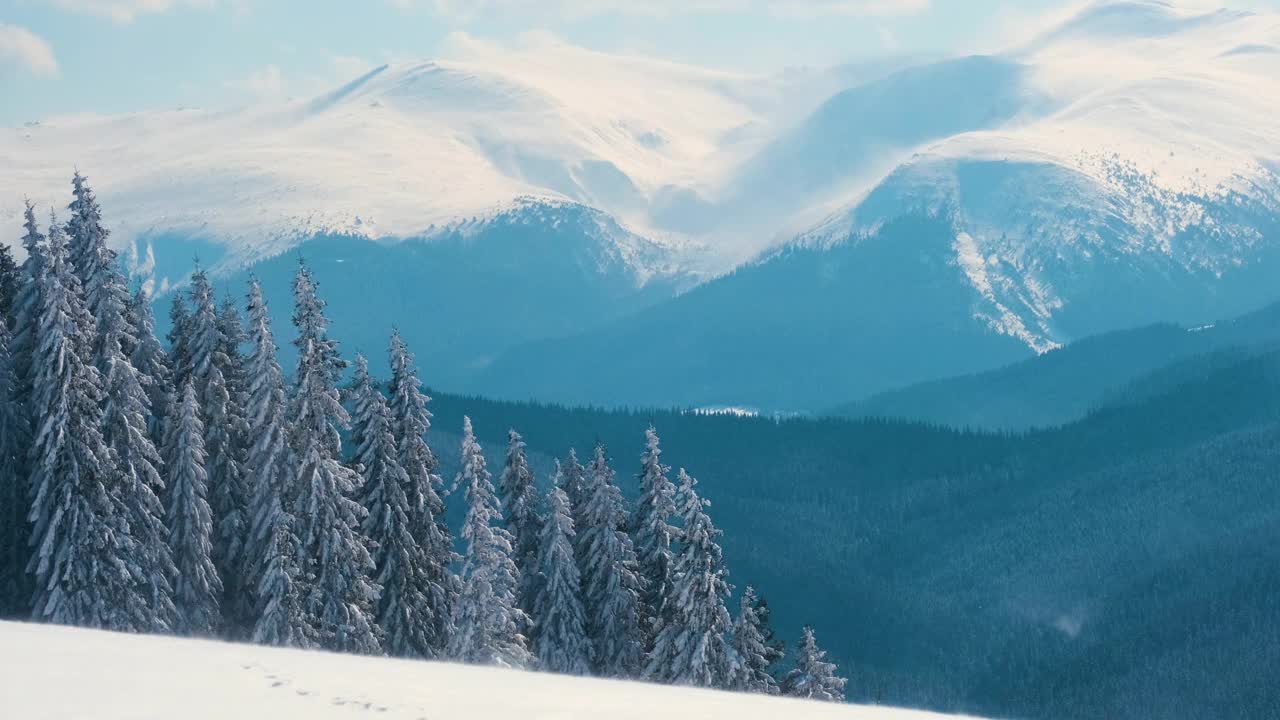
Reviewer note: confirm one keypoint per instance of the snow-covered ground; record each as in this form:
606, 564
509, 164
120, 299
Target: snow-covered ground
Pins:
59, 673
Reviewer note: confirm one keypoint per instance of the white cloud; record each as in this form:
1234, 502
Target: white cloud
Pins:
887, 38
124, 11
349, 67
466, 10
265, 83
19, 46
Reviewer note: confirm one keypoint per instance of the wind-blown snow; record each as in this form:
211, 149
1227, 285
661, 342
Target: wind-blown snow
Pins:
402, 148
59, 673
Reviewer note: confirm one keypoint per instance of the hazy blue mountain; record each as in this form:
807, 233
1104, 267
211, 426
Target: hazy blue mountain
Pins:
473, 290
789, 332
1067, 383
862, 315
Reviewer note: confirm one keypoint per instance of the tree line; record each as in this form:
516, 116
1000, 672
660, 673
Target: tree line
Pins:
194, 489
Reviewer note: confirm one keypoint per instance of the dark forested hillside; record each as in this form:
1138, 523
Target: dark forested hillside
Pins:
1120, 566
1067, 383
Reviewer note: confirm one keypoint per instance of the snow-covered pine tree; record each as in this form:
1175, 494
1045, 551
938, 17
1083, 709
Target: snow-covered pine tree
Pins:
410, 421
486, 621
82, 550
313, 325
197, 586
560, 622
232, 335
270, 488
125, 414
575, 487
654, 534
10, 282
87, 241
404, 611
611, 583
335, 550
179, 337
224, 435
15, 590
26, 309
151, 361
692, 647
281, 617
751, 645
520, 508
204, 335
813, 677
15, 552
227, 490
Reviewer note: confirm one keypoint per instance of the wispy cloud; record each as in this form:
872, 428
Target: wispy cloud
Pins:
23, 48
125, 11
466, 10
264, 83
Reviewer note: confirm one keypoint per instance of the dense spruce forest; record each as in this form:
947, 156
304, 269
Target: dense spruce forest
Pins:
1118, 566
197, 490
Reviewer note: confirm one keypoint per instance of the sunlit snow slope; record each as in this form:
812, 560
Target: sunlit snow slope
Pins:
58, 673
1144, 153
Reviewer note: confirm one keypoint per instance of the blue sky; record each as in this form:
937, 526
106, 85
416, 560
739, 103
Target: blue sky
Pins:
59, 56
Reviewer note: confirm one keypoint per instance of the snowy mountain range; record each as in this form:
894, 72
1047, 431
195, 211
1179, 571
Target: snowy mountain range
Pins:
1119, 167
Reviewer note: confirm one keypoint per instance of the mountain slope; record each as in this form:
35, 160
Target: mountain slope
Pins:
473, 290
72, 673
787, 333
1067, 383
1149, 186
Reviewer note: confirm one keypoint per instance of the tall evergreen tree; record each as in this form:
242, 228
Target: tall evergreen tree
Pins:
751, 645
813, 677
342, 595
281, 617
10, 283
654, 534
575, 486
410, 421
271, 492
83, 552
197, 586
404, 611
560, 636
692, 648
150, 360
126, 410
179, 337
27, 306
487, 622
15, 591
520, 508
611, 583
17, 427
273, 551
224, 435
87, 242
227, 490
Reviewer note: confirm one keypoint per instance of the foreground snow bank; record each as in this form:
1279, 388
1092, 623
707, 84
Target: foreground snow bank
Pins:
59, 673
